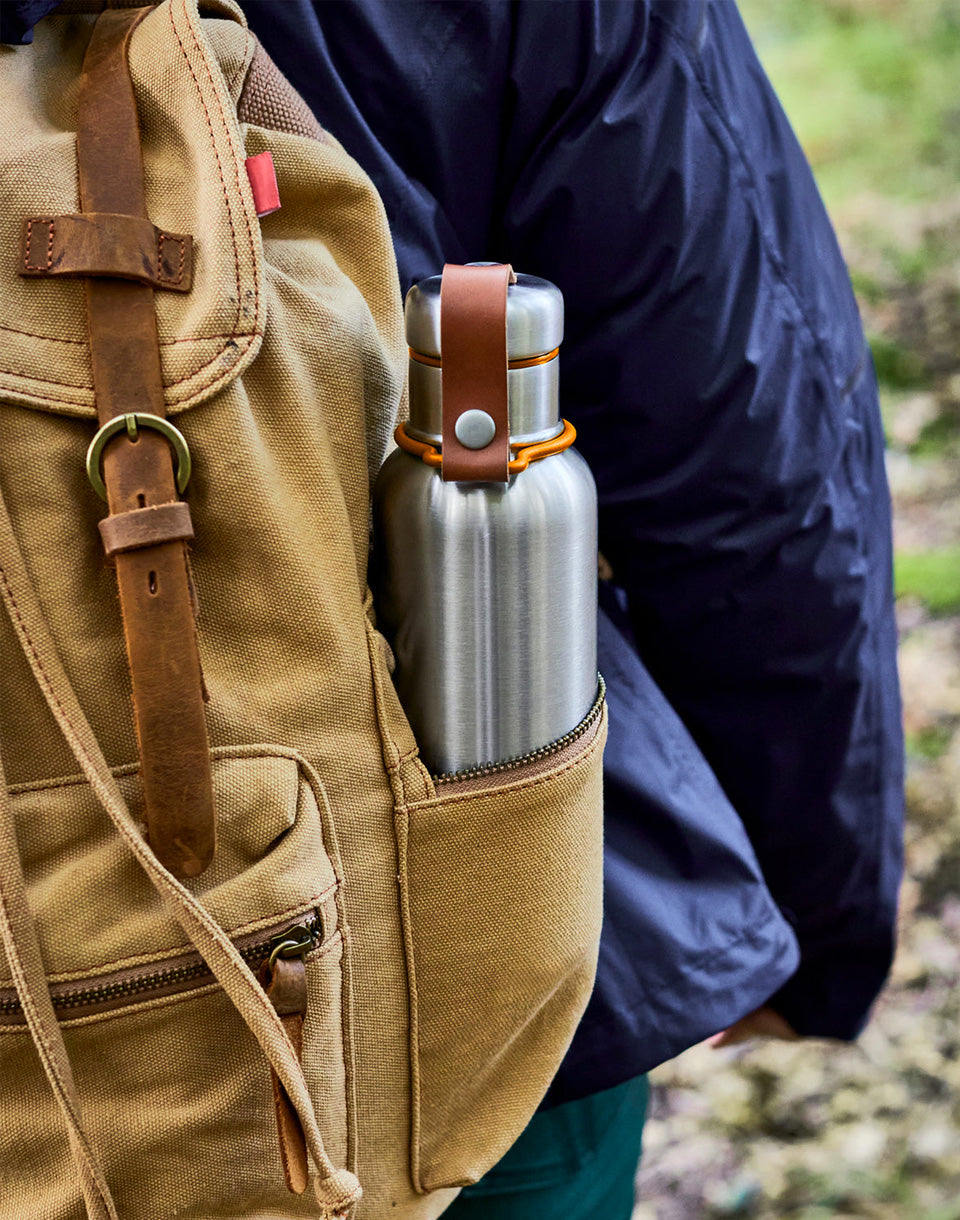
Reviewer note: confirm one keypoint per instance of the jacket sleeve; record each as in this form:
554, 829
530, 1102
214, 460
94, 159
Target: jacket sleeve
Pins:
715, 368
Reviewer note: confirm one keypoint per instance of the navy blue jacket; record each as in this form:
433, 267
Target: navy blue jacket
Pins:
715, 369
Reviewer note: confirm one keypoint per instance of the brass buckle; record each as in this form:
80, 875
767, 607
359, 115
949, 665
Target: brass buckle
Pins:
131, 424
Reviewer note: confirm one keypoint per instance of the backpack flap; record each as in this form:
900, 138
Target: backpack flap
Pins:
195, 187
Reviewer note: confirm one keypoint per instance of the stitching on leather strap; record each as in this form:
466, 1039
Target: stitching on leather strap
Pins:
181, 242
28, 266
108, 244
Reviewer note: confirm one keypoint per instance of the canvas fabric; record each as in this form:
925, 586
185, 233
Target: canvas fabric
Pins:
460, 923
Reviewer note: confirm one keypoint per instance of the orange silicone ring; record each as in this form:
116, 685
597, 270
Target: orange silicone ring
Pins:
527, 363
525, 454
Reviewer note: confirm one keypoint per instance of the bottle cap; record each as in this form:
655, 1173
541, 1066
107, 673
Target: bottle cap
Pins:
534, 317
534, 330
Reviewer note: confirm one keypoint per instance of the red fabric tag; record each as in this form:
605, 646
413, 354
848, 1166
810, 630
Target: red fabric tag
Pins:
263, 182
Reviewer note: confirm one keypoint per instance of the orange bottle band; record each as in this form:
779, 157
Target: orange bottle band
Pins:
528, 362
523, 455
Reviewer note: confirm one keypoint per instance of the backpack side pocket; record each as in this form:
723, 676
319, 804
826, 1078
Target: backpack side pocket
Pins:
500, 878
501, 905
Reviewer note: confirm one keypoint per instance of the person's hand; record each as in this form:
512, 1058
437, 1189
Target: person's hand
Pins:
763, 1022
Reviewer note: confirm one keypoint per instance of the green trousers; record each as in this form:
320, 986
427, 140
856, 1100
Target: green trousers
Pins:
578, 1159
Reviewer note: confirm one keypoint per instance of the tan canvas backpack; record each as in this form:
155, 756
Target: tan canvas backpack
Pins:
253, 956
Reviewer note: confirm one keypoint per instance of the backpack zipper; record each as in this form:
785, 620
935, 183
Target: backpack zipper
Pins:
185, 972
534, 756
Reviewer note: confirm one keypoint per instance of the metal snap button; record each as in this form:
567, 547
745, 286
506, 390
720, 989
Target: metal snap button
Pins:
475, 429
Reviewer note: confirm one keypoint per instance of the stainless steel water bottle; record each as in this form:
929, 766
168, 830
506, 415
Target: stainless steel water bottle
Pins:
486, 568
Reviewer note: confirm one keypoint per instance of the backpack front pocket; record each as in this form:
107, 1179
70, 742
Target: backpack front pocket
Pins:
500, 876
144, 1019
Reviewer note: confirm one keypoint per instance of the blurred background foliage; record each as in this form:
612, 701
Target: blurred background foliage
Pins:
871, 88
819, 1131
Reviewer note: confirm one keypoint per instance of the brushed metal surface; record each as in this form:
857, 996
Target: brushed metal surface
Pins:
488, 597
534, 317
533, 395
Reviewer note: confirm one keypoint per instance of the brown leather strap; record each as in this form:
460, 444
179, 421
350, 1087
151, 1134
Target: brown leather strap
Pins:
155, 595
473, 351
285, 982
106, 244
144, 527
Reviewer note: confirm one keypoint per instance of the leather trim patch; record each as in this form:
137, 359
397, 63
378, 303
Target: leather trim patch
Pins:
106, 244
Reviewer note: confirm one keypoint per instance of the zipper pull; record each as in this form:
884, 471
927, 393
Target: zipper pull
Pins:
283, 976
292, 942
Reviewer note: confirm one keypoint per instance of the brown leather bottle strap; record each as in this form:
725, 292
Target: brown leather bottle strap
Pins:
155, 594
473, 353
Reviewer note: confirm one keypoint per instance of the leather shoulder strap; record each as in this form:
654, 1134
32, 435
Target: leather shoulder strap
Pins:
138, 472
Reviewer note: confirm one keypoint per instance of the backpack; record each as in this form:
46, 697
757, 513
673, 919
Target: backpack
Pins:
256, 961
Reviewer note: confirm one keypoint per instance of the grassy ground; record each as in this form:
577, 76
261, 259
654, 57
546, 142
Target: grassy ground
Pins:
816, 1131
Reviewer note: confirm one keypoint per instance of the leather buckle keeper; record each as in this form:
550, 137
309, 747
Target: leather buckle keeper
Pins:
106, 244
